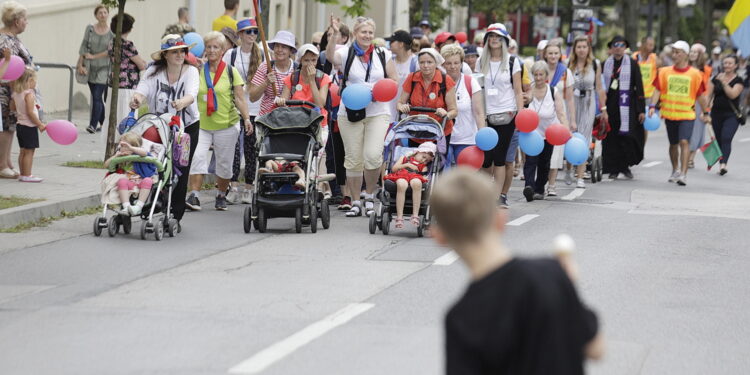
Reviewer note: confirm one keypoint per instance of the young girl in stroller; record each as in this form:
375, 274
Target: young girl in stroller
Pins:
408, 171
130, 178
277, 166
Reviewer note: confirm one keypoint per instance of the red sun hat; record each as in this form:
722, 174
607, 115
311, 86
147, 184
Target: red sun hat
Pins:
443, 37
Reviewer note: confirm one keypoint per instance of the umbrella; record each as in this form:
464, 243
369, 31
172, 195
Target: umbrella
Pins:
738, 23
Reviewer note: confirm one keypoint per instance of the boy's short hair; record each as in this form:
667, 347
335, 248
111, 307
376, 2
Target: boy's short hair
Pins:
463, 203
132, 139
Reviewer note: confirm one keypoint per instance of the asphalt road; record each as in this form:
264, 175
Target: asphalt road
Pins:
664, 266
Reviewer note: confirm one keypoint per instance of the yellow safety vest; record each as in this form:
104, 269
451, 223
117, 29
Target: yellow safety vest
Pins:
648, 73
679, 90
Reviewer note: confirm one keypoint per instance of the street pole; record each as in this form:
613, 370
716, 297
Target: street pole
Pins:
426, 10
650, 18
468, 21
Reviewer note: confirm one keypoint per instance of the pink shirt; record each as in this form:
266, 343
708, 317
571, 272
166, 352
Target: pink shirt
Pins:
23, 116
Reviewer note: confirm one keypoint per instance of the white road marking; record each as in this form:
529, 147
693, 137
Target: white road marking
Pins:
447, 259
274, 353
651, 164
573, 194
522, 220
743, 140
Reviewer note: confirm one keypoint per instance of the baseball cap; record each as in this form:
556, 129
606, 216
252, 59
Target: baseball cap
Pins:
470, 50
416, 32
425, 23
305, 49
443, 38
716, 50
542, 44
682, 45
400, 36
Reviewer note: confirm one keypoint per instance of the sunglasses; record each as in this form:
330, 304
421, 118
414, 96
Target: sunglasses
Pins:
250, 31
618, 44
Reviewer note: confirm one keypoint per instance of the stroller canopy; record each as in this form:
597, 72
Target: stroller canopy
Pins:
284, 119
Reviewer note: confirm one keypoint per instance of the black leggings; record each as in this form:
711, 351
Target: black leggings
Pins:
179, 193
338, 156
536, 168
250, 152
497, 155
725, 126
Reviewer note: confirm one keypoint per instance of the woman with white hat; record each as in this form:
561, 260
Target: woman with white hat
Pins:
170, 85
503, 98
284, 47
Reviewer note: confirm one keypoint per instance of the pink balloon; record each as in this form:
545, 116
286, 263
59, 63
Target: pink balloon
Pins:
62, 132
15, 68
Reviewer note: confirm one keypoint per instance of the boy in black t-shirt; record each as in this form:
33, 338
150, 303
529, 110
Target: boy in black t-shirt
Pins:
518, 316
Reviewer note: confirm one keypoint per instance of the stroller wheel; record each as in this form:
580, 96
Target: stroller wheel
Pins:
298, 220
386, 226
172, 227
260, 225
159, 229
98, 223
246, 224
113, 226
325, 214
373, 223
144, 224
313, 218
420, 227
127, 224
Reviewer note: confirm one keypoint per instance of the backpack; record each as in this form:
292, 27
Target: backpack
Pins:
350, 60
467, 83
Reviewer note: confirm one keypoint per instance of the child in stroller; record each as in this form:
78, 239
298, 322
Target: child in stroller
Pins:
133, 178
411, 170
283, 166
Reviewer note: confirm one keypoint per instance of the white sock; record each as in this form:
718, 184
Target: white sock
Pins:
139, 204
125, 205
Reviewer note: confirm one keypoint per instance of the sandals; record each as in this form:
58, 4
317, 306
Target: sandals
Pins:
399, 223
415, 221
356, 210
369, 208
9, 173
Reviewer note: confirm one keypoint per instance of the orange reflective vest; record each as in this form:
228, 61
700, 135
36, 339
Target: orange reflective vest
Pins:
679, 89
648, 72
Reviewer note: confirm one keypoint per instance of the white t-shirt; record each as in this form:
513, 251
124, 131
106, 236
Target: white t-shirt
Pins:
465, 126
498, 90
357, 75
403, 70
160, 94
242, 63
546, 111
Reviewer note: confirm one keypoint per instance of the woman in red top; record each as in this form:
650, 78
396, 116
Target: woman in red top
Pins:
430, 88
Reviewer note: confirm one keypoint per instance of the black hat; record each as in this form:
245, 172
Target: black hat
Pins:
424, 23
618, 38
416, 32
470, 49
400, 36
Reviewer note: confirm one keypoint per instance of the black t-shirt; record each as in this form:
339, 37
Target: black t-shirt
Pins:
721, 101
523, 318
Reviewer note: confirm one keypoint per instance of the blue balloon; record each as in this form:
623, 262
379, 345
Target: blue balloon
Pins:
486, 139
531, 143
356, 96
191, 38
580, 136
652, 123
576, 152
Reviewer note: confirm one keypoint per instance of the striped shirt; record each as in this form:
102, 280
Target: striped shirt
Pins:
267, 103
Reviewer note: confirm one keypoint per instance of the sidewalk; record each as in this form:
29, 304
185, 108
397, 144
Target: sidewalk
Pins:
64, 188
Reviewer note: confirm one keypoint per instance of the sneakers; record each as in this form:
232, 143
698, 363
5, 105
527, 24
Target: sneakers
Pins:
503, 201
682, 180
91, 129
528, 192
628, 174
233, 196
346, 204
587, 175
193, 203
221, 202
136, 210
538, 197
369, 207
551, 191
29, 179
613, 176
675, 175
568, 177
580, 184
247, 196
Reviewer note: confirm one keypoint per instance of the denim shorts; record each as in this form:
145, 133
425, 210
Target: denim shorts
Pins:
679, 130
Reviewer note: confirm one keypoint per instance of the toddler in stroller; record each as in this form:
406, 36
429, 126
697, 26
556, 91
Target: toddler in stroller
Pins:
131, 178
411, 170
284, 166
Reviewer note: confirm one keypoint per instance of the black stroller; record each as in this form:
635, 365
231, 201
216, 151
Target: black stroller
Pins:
291, 134
420, 127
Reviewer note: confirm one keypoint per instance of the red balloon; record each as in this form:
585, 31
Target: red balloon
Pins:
461, 37
385, 90
526, 120
152, 135
335, 97
471, 156
557, 134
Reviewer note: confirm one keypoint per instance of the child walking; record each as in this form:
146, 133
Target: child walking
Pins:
129, 178
29, 125
410, 171
518, 316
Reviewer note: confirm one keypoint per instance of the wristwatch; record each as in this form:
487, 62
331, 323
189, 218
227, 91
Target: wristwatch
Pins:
706, 113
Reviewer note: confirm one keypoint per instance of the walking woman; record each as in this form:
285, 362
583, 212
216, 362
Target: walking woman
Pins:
170, 85
697, 59
14, 20
549, 105
587, 85
503, 98
94, 62
363, 131
219, 97
726, 108
561, 78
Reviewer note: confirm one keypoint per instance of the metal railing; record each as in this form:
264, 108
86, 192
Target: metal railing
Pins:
70, 85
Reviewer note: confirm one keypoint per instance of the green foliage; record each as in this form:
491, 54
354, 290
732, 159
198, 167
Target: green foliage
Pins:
437, 12
94, 164
691, 28
497, 9
357, 9
47, 220
15, 201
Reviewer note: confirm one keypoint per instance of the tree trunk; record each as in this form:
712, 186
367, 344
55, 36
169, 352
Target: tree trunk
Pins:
115, 79
631, 17
670, 20
265, 13
708, 23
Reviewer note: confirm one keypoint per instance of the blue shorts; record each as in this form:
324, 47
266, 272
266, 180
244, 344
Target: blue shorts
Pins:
679, 130
512, 148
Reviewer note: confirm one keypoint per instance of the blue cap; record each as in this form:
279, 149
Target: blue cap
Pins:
248, 23
470, 49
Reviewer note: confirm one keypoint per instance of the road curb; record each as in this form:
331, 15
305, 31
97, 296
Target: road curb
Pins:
11, 217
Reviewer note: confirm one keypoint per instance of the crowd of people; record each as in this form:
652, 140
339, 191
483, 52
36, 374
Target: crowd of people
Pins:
472, 85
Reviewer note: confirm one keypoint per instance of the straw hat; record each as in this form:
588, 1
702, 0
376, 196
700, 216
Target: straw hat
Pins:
171, 42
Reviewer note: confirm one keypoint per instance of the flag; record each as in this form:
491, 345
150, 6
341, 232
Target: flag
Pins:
738, 23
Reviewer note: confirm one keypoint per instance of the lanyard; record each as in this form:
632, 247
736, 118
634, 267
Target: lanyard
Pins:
492, 78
